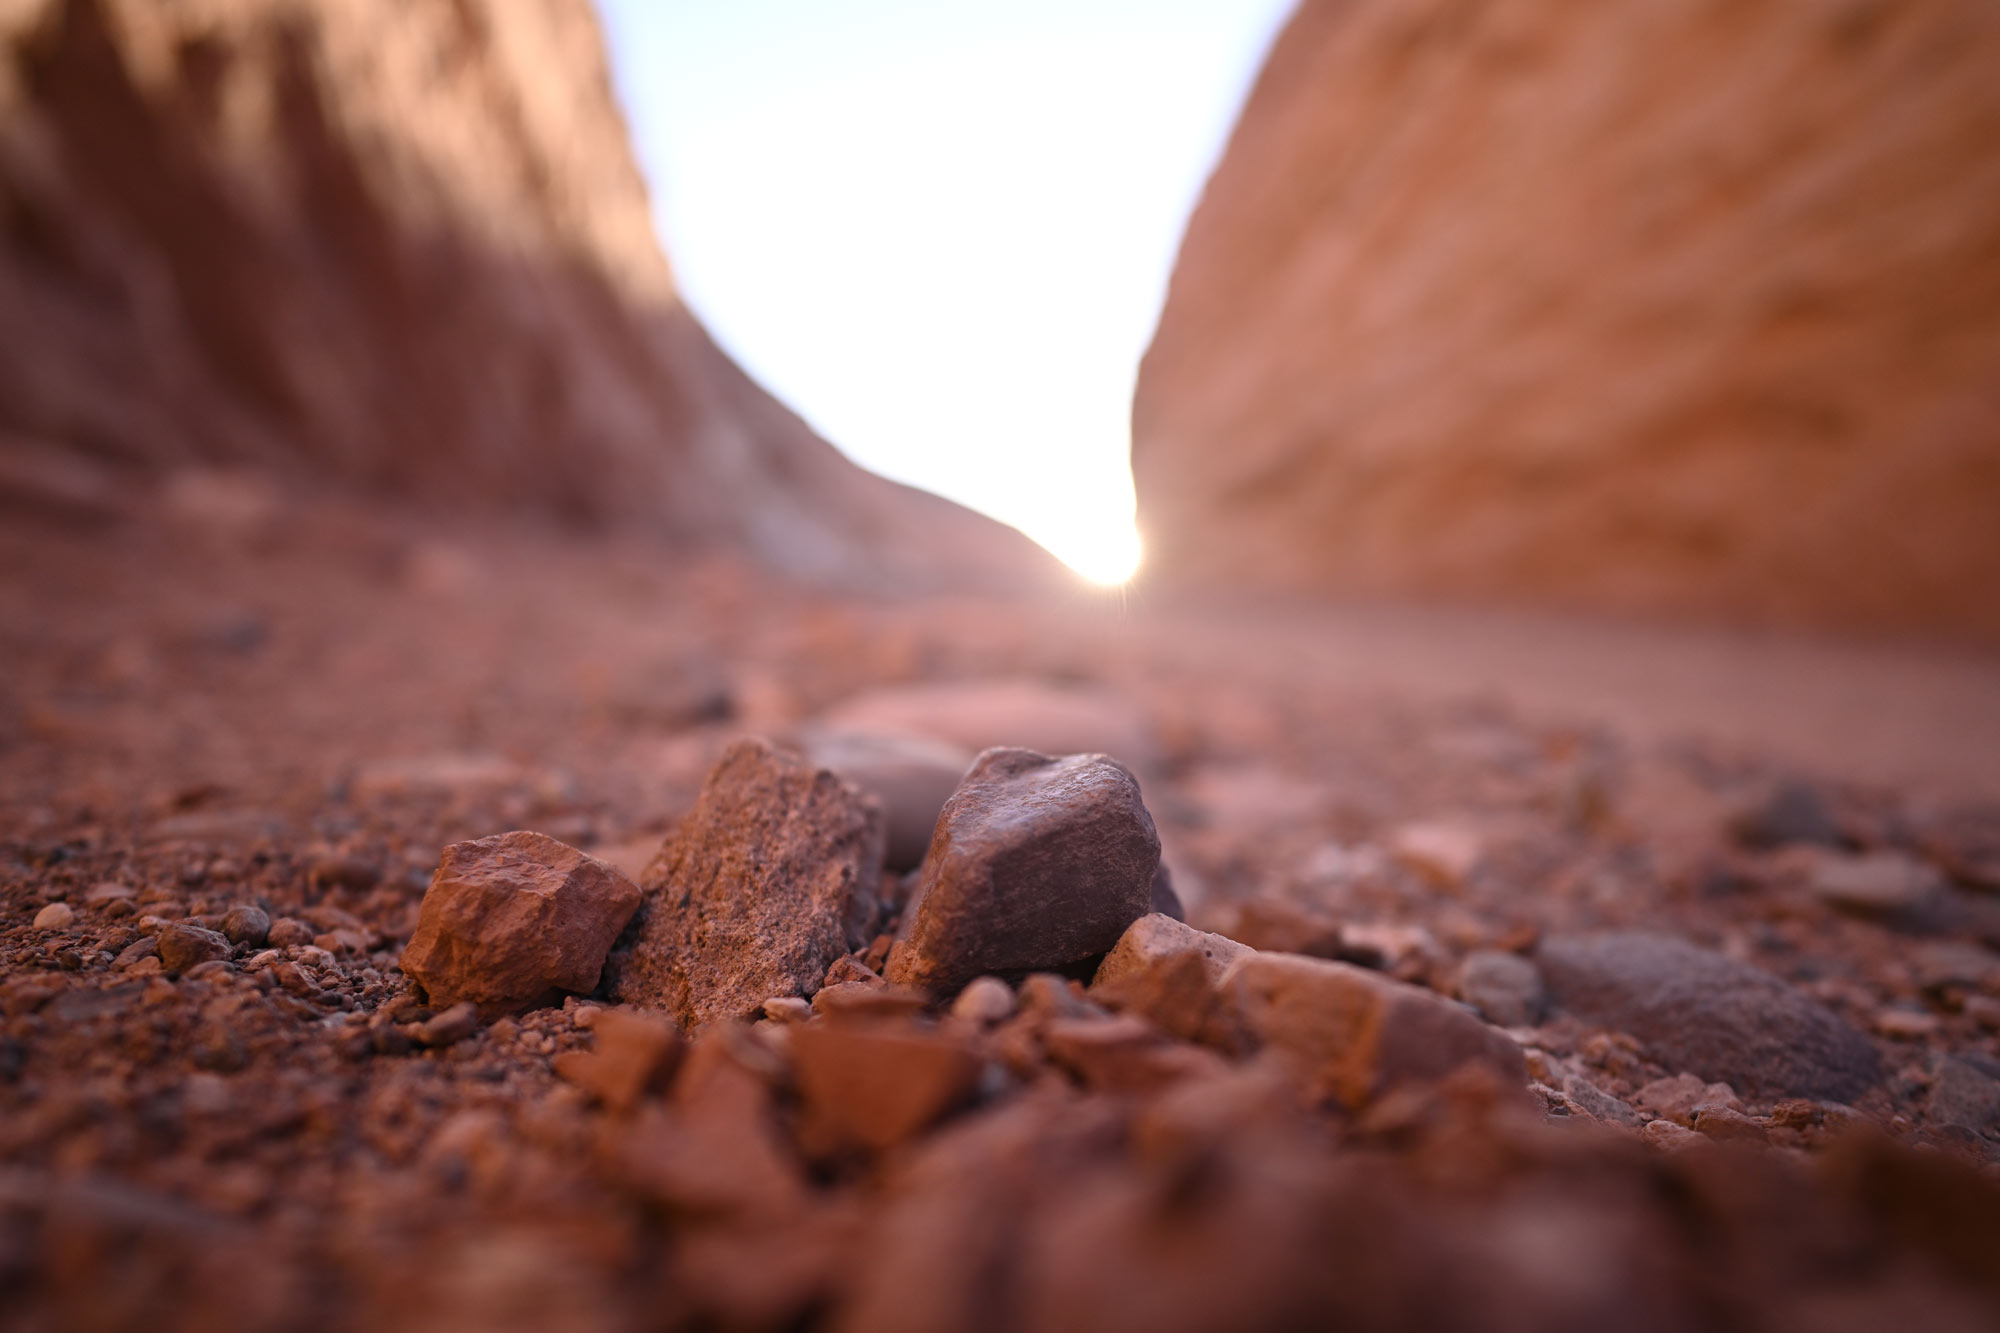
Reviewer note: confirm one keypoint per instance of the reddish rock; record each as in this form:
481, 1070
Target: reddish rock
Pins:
1352, 1034
750, 896
1037, 864
633, 1053
1124, 1055
871, 1085
1154, 938
1480, 302
183, 946
511, 920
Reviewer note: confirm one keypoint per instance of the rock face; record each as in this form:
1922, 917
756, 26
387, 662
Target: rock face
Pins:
751, 896
512, 919
1640, 306
401, 246
1704, 1014
1037, 864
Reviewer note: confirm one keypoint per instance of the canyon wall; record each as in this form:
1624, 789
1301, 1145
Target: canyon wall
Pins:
1653, 306
395, 246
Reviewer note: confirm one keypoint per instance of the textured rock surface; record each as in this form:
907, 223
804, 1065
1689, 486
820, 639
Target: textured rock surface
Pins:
1037, 864
1704, 1014
401, 244
1488, 301
750, 897
1352, 1034
1152, 939
511, 919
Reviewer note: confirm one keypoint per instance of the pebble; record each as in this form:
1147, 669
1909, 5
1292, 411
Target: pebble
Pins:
1504, 987
448, 1028
984, 1001
1123, 1055
1698, 1011
1444, 853
1151, 939
1879, 884
286, 932
144, 947
752, 895
1038, 863
511, 920
787, 1009
56, 916
182, 947
1677, 1097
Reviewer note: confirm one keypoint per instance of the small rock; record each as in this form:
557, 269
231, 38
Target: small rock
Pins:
182, 947
787, 1009
246, 924
634, 1053
1699, 1011
912, 777
1504, 987
1444, 853
873, 1085
1792, 813
513, 919
868, 999
147, 946
446, 1029
1125, 1056
1726, 1124
56, 916
1879, 884
750, 896
288, 932
1677, 1097
108, 892
984, 1001
1668, 1135
845, 969
1967, 1093
1352, 1034
1598, 1104
1165, 901
1038, 863
1905, 1024
1153, 938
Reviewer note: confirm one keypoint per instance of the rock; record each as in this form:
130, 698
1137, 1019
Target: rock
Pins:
1368, 376
1010, 713
288, 932
1274, 925
750, 896
1701, 1012
246, 924
1154, 938
1966, 1093
1725, 1124
1179, 991
56, 916
1504, 987
1165, 901
786, 1010
871, 1085
1352, 1034
512, 920
1792, 813
634, 1053
911, 776
1125, 1056
985, 1001
449, 1028
1038, 864
1677, 1097
1443, 853
868, 999
182, 947
1879, 884
1598, 1104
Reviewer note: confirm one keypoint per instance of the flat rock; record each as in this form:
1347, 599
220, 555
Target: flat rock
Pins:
1352, 1034
750, 896
912, 777
1038, 863
511, 920
1702, 1013
1878, 884
1016, 712
1152, 939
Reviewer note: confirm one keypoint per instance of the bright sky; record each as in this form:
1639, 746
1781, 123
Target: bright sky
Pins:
941, 230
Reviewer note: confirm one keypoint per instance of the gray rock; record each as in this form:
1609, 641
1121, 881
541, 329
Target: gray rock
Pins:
182, 947
1504, 987
912, 777
1703, 1013
750, 897
1038, 864
1967, 1094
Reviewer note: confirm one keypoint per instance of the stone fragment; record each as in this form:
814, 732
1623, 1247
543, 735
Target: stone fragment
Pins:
1504, 987
868, 999
1153, 938
786, 1010
911, 776
634, 1053
183, 946
750, 897
1698, 1011
1878, 884
1352, 1034
871, 1085
448, 1028
1123, 1055
985, 1001
1677, 1097
1967, 1093
1726, 1124
56, 916
287, 932
511, 920
1598, 1104
246, 924
1793, 812
1180, 992
1038, 863
845, 969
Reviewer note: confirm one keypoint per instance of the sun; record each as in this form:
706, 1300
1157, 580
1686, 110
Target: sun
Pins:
1107, 554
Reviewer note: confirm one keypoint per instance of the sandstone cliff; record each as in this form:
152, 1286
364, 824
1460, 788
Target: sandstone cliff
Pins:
399, 245
1647, 306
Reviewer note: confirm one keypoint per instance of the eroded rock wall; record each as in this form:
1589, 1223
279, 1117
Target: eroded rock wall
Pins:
1652, 306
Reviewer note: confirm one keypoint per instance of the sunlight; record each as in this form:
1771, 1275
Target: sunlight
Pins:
1106, 553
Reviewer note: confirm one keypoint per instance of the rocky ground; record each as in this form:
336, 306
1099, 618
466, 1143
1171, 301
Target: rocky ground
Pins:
1479, 1019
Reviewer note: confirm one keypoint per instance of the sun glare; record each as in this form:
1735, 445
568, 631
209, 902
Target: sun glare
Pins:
1105, 553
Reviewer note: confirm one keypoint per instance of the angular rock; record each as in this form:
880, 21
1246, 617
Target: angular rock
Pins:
1504, 987
183, 946
634, 1053
1679, 1096
1352, 1034
750, 896
1125, 1055
1152, 939
912, 777
1037, 863
873, 1084
511, 920
1703, 1013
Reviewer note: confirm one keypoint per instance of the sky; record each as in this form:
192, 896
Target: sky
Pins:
941, 231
